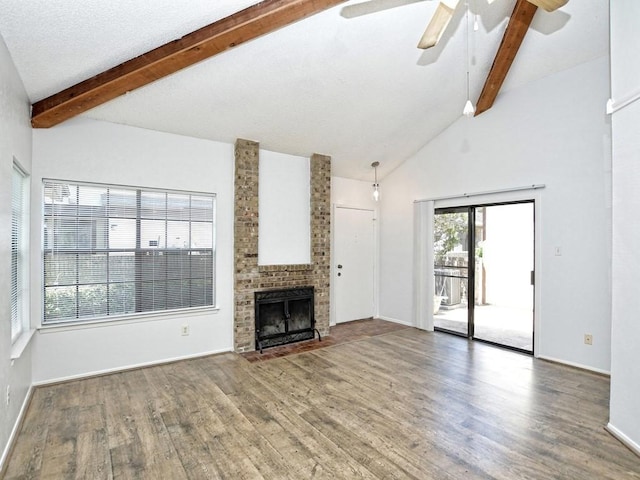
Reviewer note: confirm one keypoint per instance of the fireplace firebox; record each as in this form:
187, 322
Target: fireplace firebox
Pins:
284, 316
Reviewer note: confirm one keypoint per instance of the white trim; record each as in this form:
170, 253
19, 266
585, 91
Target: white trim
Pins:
108, 371
128, 319
615, 105
21, 343
487, 192
538, 269
395, 320
617, 433
351, 207
575, 364
14, 431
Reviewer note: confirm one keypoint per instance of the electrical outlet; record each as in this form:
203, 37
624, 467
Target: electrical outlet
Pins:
184, 330
588, 339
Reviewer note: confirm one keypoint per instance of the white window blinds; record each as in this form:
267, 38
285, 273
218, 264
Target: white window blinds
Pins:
111, 251
18, 251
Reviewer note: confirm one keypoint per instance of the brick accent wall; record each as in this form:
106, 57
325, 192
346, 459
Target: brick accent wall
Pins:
248, 276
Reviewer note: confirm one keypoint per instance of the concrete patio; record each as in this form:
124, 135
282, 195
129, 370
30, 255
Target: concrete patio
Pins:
500, 324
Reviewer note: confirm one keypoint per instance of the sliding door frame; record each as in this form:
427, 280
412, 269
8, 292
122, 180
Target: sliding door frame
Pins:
471, 220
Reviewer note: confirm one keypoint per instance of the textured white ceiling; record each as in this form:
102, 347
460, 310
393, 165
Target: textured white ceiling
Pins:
357, 89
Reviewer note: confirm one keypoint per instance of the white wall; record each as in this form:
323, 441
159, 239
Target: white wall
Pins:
554, 132
15, 141
353, 193
624, 420
284, 230
88, 150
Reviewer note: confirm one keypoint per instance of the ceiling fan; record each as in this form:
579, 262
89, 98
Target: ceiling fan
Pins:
440, 19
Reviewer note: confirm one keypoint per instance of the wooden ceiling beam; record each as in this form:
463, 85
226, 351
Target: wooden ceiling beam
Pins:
252, 22
514, 34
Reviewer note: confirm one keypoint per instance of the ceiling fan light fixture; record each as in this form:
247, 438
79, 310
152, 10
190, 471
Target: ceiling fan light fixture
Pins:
549, 5
437, 26
468, 109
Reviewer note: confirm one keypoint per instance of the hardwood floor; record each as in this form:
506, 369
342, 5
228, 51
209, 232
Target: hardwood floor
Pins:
341, 333
405, 404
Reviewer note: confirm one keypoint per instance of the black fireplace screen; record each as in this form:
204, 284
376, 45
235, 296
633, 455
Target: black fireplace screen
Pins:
284, 316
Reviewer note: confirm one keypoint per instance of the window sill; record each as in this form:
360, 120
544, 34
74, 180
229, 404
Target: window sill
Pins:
111, 322
21, 343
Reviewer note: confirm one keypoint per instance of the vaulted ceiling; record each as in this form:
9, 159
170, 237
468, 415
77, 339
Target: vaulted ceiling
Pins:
354, 88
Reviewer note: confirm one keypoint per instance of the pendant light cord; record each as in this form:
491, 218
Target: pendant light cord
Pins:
466, 4
469, 110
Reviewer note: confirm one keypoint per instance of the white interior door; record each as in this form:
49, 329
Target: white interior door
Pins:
353, 266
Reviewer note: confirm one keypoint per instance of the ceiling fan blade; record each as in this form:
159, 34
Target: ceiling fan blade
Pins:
549, 5
373, 6
436, 27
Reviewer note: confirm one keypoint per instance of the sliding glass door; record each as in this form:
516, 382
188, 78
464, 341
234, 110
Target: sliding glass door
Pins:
503, 311
451, 268
486, 253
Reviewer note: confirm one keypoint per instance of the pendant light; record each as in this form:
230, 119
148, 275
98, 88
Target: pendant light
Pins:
376, 186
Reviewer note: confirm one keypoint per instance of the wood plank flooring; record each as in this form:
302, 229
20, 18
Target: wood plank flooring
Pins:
341, 333
403, 405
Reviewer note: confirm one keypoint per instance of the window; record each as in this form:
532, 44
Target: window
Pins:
111, 251
19, 190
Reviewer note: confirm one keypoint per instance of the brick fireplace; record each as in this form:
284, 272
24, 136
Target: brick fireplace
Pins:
249, 277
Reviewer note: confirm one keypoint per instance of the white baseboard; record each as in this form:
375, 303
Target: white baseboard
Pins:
108, 371
630, 444
395, 320
14, 430
575, 364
